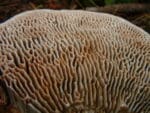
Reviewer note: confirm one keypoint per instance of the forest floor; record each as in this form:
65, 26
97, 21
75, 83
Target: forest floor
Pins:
138, 14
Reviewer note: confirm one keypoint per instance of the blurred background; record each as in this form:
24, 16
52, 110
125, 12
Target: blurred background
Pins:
136, 11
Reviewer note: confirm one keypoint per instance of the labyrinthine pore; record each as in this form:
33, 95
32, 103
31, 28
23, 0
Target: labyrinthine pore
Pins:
74, 62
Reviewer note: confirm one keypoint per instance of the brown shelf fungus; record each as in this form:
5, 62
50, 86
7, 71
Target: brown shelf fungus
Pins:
73, 62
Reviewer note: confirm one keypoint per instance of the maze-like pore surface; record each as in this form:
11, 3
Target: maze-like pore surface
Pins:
75, 62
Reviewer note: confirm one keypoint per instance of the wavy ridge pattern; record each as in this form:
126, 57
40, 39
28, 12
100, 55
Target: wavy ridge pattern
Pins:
76, 62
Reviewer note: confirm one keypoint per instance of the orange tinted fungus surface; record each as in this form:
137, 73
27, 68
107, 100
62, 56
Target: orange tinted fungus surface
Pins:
74, 62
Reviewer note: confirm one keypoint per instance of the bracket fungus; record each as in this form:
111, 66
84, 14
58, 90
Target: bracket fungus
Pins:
74, 62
